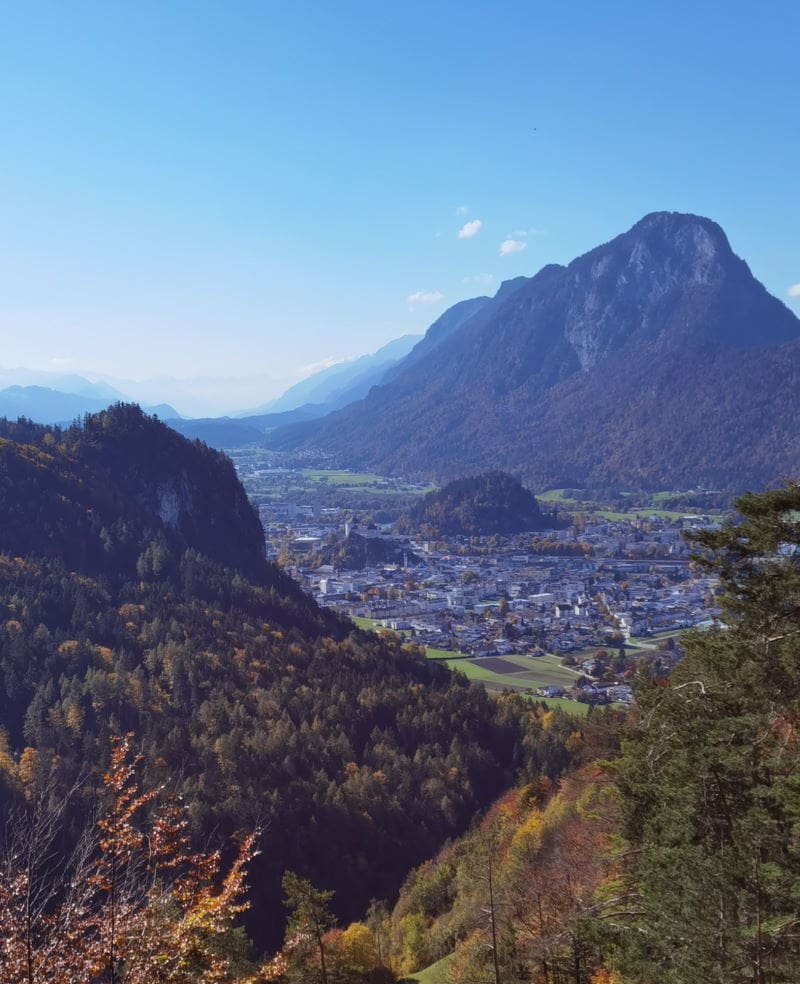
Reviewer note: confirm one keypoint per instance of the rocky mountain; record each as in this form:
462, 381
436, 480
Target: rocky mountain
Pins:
95, 495
655, 360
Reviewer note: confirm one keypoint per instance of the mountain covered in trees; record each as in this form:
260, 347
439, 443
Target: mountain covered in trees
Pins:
91, 496
656, 360
135, 597
480, 505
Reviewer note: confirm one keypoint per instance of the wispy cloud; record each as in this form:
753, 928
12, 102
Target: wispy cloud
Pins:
425, 297
794, 290
524, 233
509, 246
62, 361
479, 279
462, 210
326, 363
470, 229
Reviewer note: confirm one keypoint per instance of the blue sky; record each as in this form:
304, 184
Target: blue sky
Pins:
232, 192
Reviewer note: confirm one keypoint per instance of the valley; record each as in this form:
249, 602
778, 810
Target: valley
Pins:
562, 616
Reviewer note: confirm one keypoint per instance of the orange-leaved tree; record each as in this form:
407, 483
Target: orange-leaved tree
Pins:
133, 904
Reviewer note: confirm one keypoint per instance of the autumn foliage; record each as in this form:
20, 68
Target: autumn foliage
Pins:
133, 904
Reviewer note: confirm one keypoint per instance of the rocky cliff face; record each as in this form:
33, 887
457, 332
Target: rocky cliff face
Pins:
95, 495
655, 302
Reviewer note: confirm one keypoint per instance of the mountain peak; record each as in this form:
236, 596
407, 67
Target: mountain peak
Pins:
541, 379
696, 239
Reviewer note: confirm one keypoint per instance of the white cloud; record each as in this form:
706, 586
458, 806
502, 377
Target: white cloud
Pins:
326, 363
479, 279
524, 233
509, 246
425, 297
470, 229
462, 210
794, 290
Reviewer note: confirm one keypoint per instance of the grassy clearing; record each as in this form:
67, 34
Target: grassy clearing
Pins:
435, 974
371, 624
650, 642
572, 504
574, 707
432, 653
556, 495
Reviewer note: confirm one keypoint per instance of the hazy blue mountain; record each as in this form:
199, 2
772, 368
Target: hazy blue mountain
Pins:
342, 383
655, 360
63, 382
48, 406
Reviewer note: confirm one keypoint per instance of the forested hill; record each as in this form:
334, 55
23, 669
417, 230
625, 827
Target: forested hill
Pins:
656, 360
93, 494
480, 505
134, 597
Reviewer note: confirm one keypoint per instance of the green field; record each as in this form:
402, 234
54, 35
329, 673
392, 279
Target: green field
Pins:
650, 642
539, 671
432, 653
572, 504
340, 477
555, 495
613, 516
574, 707
359, 481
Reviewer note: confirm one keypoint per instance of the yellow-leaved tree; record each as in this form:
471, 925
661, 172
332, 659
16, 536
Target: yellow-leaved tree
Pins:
132, 904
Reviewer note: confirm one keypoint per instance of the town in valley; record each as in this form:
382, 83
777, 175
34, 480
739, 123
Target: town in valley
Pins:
564, 614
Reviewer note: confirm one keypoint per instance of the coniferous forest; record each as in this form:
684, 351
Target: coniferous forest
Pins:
353, 755
204, 777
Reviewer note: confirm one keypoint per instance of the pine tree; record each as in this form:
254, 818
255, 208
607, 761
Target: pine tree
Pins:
710, 773
309, 916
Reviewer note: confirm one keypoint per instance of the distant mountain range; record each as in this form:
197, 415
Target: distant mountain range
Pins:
311, 398
44, 405
655, 360
340, 384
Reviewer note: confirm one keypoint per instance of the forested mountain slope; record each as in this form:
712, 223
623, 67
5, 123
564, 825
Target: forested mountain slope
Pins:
134, 597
